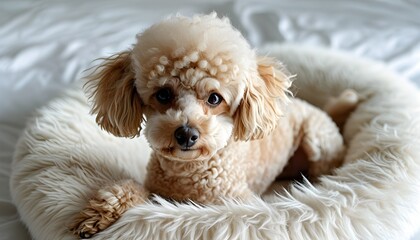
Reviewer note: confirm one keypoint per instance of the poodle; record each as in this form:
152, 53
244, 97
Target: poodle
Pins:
219, 118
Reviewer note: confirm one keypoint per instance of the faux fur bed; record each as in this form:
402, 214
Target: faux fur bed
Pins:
63, 157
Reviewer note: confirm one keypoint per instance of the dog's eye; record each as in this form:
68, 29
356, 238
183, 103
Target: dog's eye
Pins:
214, 99
164, 95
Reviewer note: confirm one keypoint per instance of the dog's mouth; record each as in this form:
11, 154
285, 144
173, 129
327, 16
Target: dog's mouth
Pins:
188, 149
173, 149
184, 154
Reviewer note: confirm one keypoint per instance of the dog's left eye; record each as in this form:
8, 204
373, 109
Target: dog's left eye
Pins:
214, 99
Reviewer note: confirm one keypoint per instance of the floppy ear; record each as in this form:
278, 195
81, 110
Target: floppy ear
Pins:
115, 98
260, 108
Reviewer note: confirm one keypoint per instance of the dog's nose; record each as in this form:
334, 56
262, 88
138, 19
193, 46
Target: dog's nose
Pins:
186, 136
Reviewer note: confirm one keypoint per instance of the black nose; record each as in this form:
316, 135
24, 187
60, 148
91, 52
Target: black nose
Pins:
186, 136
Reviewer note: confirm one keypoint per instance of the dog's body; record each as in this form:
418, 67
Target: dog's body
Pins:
218, 118
260, 161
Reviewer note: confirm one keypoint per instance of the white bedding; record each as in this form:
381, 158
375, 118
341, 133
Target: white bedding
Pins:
45, 46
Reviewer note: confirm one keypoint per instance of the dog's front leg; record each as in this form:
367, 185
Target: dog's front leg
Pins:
107, 206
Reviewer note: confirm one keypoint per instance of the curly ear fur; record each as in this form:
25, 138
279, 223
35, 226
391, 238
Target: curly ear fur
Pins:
115, 98
260, 109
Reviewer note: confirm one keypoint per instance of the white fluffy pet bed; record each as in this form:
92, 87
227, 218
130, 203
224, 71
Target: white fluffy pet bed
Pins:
63, 157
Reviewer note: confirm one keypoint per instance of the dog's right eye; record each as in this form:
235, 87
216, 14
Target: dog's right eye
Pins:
164, 95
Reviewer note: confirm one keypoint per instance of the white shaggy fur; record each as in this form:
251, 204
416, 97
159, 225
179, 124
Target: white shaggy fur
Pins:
374, 195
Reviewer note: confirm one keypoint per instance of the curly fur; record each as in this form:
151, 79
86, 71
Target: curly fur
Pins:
194, 58
116, 103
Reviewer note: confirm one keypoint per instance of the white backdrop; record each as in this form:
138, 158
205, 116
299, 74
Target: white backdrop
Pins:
46, 45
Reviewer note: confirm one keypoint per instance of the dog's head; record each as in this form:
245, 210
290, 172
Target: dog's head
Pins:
195, 82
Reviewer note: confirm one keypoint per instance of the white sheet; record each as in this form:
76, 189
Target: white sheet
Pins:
45, 46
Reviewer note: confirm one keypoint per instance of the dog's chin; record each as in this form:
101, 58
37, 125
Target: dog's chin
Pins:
186, 155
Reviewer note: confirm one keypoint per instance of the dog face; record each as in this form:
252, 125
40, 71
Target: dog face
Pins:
195, 82
188, 122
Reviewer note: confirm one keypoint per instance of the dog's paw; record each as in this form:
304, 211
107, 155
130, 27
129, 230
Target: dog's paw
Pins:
107, 207
322, 140
342, 104
339, 108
